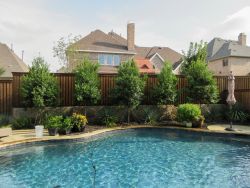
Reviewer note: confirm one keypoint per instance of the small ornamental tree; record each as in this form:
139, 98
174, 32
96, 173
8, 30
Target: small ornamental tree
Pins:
165, 91
129, 87
87, 83
64, 49
39, 88
202, 88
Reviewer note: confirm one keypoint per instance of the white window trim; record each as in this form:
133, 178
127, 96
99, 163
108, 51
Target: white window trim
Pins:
156, 54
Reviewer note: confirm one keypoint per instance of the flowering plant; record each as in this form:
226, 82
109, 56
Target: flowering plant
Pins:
79, 120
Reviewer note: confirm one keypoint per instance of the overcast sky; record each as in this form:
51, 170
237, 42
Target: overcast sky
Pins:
34, 25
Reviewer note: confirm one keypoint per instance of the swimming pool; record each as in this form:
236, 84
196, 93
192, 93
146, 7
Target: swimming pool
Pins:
131, 158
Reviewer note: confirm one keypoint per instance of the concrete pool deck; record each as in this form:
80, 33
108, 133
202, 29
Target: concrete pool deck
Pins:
28, 135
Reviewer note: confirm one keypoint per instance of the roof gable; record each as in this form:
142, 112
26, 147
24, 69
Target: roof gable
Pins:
220, 48
100, 41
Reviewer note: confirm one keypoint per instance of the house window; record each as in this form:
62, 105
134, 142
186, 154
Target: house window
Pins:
225, 62
117, 60
109, 59
101, 59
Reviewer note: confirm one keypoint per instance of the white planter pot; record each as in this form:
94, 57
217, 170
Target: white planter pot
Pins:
189, 125
39, 131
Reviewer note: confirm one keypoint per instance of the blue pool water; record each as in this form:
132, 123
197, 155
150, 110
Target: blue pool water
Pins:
133, 158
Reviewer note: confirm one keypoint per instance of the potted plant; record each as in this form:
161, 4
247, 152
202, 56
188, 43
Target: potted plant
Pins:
198, 121
79, 122
188, 113
53, 123
66, 126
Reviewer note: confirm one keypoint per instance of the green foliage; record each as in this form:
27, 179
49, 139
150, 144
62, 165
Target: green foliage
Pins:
188, 112
107, 117
129, 87
39, 88
1, 71
197, 51
23, 123
165, 91
54, 122
151, 116
67, 123
87, 83
237, 114
146, 114
201, 86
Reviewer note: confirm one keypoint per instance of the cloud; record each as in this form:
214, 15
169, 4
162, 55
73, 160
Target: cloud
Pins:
229, 28
30, 27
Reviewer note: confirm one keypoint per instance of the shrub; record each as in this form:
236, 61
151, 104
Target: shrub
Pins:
110, 115
238, 113
188, 112
23, 123
165, 91
146, 114
78, 121
53, 122
169, 112
129, 87
87, 84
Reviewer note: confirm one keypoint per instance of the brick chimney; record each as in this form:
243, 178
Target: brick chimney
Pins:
131, 36
242, 39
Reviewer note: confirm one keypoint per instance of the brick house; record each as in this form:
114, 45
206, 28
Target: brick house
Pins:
224, 56
110, 50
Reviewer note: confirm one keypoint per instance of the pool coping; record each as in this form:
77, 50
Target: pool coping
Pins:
83, 136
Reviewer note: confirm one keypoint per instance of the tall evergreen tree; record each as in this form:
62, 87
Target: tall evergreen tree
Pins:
202, 87
165, 91
129, 87
87, 83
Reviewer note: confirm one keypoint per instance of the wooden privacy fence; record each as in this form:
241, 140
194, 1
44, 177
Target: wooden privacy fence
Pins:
10, 90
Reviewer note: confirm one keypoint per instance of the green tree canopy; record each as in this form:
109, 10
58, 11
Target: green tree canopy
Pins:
165, 91
202, 87
87, 83
39, 88
197, 51
129, 87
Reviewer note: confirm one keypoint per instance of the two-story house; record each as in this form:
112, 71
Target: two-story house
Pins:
225, 56
110, 50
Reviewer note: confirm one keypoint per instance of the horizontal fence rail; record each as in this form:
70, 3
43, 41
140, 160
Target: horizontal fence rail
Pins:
10, 95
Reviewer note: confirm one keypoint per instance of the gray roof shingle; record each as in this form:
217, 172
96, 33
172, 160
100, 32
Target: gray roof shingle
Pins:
220, 48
